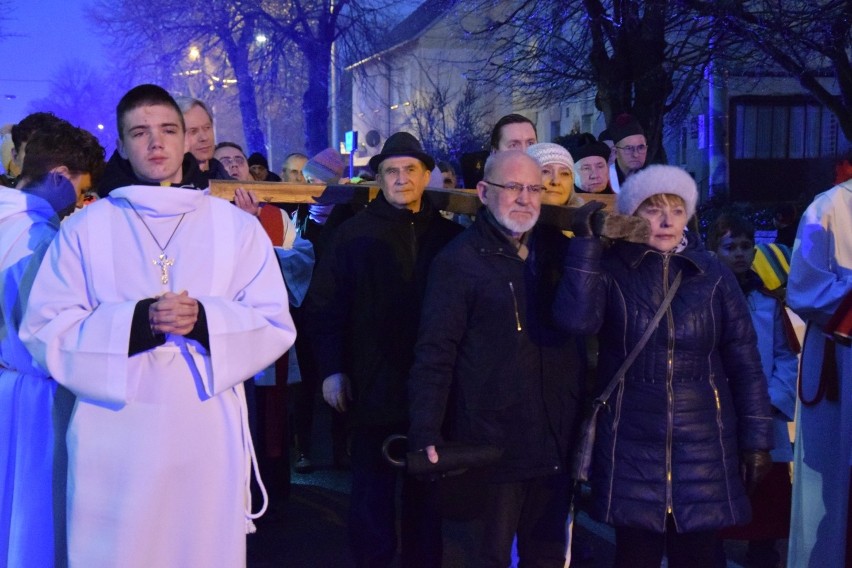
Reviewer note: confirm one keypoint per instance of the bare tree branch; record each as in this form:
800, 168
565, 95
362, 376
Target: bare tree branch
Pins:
808, 40
157, 34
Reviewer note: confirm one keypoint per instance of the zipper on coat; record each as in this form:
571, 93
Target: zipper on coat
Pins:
719, 423
669, 389
413, 243
718, 402
515, 301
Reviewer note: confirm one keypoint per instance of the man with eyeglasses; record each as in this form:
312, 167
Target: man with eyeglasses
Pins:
363, 310
631, 149
231, 156
491, 365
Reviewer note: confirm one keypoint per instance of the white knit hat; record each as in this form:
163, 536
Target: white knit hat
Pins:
548, 153
654, 180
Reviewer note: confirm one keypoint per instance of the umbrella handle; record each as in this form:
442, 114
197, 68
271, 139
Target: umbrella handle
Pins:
396, 462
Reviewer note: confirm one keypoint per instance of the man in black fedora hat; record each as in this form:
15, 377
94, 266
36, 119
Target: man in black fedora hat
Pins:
363, 314
590, 163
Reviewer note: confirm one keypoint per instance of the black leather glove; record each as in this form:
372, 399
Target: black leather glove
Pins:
583, 223
754, 465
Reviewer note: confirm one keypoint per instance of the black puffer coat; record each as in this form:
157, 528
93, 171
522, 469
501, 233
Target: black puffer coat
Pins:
489, 356
669, 437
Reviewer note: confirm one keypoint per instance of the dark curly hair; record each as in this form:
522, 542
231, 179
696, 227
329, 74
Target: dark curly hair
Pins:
31, 123
63, 144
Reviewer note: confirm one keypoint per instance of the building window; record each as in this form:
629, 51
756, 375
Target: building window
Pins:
554, 129
777, 128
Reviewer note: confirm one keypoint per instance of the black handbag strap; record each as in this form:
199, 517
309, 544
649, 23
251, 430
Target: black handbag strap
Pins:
645, 337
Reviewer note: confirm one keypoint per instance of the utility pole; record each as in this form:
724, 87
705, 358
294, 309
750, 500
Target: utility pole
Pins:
335, 122
717, 127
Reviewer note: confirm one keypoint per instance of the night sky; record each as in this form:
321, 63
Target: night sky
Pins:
36, 38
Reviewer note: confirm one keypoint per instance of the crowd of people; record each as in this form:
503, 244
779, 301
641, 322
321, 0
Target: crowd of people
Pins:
149, 333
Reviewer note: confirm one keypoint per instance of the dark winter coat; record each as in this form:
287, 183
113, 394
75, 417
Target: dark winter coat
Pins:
363, 307
119, 173
489, 357
669, 437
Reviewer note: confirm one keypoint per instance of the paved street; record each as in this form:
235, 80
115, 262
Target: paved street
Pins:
309, 529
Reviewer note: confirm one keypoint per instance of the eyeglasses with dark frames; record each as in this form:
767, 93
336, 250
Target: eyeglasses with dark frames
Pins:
517, 188
640, 149
227, 162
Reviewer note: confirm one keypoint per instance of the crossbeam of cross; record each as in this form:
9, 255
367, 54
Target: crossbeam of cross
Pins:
461, 201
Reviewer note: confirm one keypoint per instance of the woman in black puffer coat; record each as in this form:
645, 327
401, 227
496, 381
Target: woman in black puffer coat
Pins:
691, 421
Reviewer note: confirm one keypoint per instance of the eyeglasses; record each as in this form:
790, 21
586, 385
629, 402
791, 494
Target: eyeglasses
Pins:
236, 160
640, 149
517, 188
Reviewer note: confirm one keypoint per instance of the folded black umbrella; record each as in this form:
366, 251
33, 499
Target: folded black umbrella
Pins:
453, 458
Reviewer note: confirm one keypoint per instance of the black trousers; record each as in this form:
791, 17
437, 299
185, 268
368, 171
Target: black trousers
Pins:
640, 548
536, 510
304, 395
372, 515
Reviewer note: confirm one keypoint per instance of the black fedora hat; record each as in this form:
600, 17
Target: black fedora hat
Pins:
402, 144
623, 126
585, 145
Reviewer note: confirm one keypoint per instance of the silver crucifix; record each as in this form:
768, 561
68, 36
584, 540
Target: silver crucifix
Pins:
164, 262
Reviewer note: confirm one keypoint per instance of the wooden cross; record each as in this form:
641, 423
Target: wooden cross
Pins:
164, 262
464, 201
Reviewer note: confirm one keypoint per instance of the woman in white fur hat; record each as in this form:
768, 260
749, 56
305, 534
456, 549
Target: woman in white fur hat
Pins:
557, 172
687, 429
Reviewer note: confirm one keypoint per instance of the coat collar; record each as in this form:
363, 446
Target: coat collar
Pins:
382, 208
691, 258
492, 239
119, 173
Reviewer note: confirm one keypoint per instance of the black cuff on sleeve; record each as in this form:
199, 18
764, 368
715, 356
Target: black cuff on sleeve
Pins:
141, 337
199, 331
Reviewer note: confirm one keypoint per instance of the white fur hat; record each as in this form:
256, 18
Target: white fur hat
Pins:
548, 153
654, 180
